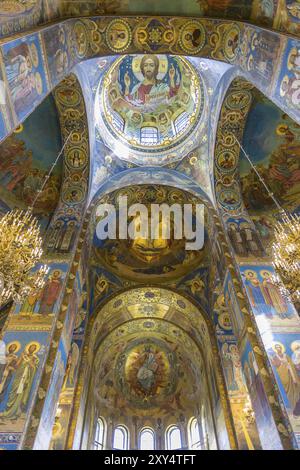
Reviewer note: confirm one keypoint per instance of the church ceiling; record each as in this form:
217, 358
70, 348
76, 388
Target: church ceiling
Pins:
148, 368
144, 327
143, 259
150, 105
19, 15
150, 303
26, 158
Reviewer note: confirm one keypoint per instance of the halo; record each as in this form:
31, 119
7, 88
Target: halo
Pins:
33, 343
295, 345
248, 271
56, 272
252, 41
285, 81
39, 83
19, 129
162, 70
264, 272
274, 343
34, 55
293, 52
17, 343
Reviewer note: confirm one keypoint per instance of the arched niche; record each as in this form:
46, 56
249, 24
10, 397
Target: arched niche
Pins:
156, 322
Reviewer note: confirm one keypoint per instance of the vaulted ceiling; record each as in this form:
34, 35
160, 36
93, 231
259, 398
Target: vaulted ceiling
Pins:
19, 15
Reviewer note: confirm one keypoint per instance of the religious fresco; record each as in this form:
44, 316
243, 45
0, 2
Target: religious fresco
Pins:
61, 237
196, 285
265, 422
22, 15
266, 298
62, 233
145, 377
146, 372
284, 353
153, 313
279, 326
148, 259
57, 49
288, 84
225, 320
150, 102
47, 418
27, 159
25, 74
66, 397
89, 38
45, 303
24, 353
103, 284
277, 159
259, 52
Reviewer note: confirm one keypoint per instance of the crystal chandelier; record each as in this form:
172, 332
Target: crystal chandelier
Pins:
285, 248
20, 251
286, 255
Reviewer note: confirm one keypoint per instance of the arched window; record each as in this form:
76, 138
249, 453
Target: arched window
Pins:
149, 135
181, 122
194, 434
121, 438
100, 434
173, 438
147, 439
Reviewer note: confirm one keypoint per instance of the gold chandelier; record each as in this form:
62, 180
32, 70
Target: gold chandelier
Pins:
20, 250
286, 256
285, 248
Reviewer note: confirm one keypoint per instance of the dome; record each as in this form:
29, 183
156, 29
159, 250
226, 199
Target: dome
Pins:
149, 105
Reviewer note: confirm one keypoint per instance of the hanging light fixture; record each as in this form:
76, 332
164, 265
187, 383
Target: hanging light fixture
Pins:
285, 248
286, 255
20, 250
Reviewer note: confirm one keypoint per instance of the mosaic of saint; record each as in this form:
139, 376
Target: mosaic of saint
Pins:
146, 371
275, 138
26, 159
147, 367
151, 100
146, 258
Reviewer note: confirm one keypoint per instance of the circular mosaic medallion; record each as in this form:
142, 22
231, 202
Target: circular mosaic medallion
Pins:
118, 35
231, 43
147, 372
76, 158
229, 198
73, 195
80, 37
238, 99
192, 37
226, 161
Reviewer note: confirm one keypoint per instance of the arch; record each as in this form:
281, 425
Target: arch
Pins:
228, 41
194, 436
147, 439
100, 434
121, 438
98, 339
173, 438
